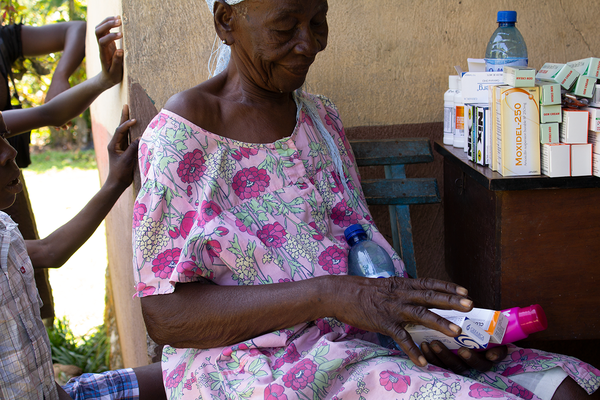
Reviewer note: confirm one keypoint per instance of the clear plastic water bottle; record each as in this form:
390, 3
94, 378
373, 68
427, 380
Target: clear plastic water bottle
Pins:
506, 46
450, 110
367, 258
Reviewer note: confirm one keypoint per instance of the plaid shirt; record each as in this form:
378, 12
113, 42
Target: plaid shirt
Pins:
25, 359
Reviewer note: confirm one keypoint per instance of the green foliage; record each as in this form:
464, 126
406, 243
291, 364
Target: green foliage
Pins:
90, 352
33, 75
49, 159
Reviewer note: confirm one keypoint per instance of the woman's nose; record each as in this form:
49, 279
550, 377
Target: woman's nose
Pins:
7, 152
309, 43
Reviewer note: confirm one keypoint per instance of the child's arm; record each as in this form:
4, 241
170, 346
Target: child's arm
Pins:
67, 37
54, 250
76, 100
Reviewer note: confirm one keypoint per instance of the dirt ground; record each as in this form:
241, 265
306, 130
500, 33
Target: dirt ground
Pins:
79, 286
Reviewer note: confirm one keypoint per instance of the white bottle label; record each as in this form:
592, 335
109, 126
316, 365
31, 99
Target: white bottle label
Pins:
498, 64
449, 120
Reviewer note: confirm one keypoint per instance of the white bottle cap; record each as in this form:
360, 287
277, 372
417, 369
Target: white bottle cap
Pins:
453, 82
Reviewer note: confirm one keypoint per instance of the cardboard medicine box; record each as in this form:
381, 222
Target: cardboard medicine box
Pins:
558, 73
584, 86
594, 123
556, 160
581, 159
574, 128
587, 67
594, 140
519, 76
472, 335
475, 85
519, 139
491, 321
551, 113
549, 133
549, 93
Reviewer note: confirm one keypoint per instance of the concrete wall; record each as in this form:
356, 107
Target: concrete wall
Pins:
106, 112
387, 63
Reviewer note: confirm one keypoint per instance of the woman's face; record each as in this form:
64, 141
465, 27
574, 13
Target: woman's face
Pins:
276, 41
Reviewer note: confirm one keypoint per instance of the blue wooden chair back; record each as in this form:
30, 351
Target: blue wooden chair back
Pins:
396, 190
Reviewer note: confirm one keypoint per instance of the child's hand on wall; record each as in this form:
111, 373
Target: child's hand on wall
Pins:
122, 156
111, 58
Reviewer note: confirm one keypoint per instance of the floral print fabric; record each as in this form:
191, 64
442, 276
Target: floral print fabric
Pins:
251, 214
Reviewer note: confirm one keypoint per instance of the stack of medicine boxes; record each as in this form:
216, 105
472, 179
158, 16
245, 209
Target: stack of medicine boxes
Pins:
522, 128
568, 153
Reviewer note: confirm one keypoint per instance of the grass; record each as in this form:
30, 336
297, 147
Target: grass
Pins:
49, 159
89, 352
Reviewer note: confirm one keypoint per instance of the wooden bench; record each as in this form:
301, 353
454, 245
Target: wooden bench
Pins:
396, 190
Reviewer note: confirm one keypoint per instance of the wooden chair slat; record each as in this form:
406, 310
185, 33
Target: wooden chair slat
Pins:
396, 190
401, 191
392, 151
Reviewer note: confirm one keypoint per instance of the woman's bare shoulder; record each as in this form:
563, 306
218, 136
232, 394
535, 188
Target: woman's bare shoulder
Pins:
197, 105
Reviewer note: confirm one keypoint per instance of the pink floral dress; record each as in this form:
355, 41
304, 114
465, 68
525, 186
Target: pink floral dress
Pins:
253, 214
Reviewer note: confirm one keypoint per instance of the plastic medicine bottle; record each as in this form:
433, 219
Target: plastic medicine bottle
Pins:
459, 131
506, 46
522, 322
450, 110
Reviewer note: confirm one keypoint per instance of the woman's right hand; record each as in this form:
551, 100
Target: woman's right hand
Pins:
387, 305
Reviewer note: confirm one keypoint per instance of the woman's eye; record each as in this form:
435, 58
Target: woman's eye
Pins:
285, 30
318, 22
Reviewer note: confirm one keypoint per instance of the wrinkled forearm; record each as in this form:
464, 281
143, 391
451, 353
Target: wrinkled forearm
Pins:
202, 315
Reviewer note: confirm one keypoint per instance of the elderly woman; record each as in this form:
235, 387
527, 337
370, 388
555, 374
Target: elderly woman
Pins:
248, 184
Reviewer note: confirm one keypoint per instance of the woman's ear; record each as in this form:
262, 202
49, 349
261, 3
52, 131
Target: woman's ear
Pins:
224, 16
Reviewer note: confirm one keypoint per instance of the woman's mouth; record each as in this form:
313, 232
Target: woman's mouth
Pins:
300, 70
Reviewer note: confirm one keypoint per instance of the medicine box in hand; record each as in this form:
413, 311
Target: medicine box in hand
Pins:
491, 321
472, 335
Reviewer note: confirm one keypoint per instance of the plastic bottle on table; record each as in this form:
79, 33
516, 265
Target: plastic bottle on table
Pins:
450, 110
506, 46
459, 131
366, 258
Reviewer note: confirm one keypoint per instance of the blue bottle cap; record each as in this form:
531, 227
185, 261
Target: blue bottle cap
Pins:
507, 16
353, 230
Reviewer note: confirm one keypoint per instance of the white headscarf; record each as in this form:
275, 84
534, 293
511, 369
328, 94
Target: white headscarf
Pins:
219, 57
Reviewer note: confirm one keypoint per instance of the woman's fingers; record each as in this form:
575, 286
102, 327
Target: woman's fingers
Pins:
451, 361
437, 285
404, 340
496, 354
475, 360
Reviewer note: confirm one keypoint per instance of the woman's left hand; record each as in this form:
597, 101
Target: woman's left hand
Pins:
438, 354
